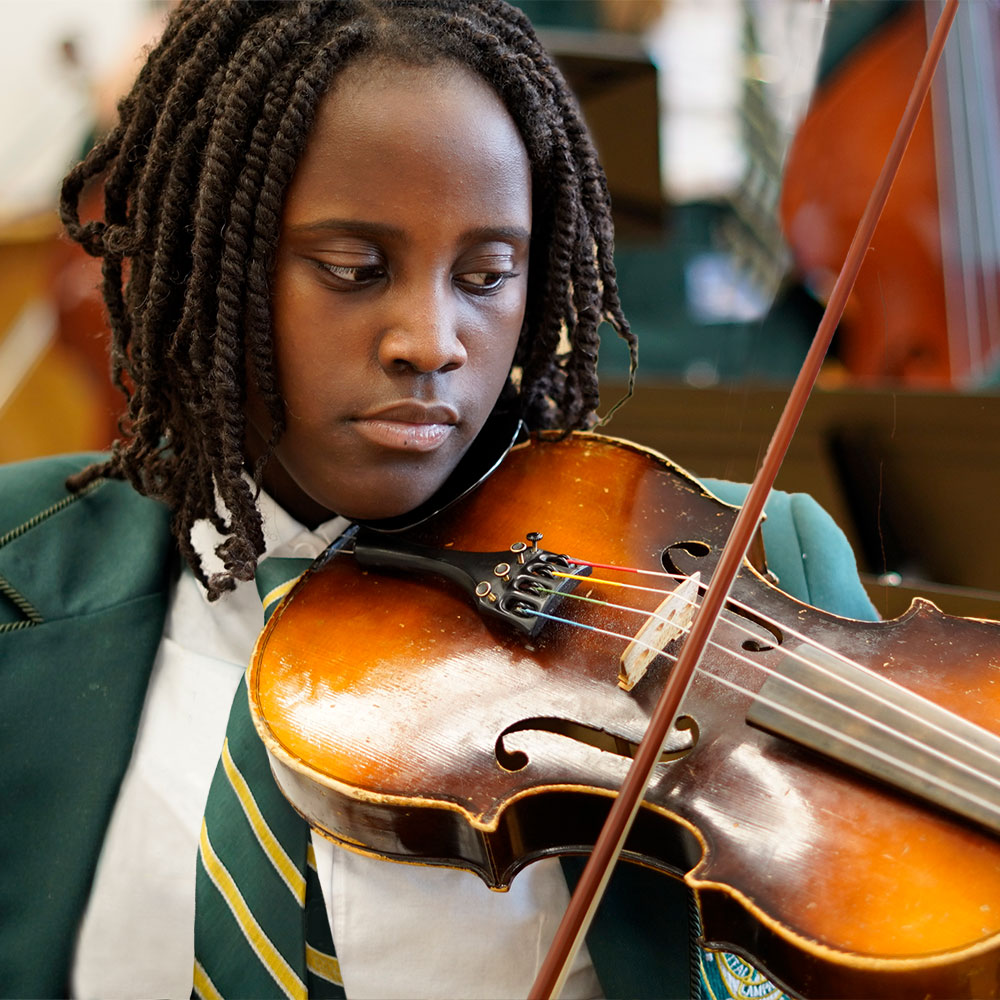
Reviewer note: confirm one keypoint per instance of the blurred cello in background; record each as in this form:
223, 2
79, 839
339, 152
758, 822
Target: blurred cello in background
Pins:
925, 311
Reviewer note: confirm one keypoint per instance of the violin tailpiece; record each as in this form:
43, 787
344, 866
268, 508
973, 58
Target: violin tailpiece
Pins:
521, 586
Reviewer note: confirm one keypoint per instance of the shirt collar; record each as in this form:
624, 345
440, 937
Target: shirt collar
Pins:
283, 536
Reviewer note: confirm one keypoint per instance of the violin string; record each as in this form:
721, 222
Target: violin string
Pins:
618, 569
770, 671
795, 633
870, 720
899, 762
927, 776
805, 640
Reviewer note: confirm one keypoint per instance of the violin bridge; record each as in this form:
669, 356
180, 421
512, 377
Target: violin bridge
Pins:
670, 620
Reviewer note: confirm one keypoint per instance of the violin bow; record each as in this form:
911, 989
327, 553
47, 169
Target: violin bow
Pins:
590, 889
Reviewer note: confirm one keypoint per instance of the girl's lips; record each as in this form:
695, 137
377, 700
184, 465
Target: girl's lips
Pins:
403, 435
408, 425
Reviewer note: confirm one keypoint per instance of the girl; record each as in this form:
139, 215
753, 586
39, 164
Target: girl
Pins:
338, 238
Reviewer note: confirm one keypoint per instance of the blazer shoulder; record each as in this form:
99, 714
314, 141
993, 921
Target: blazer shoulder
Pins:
28, 489
70, 553
807, 551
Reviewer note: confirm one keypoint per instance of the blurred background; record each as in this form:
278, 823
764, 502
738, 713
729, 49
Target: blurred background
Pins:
741, 139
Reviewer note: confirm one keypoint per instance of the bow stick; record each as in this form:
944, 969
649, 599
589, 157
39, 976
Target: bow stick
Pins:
583, 904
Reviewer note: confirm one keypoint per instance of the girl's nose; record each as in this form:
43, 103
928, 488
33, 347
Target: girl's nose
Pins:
422, 334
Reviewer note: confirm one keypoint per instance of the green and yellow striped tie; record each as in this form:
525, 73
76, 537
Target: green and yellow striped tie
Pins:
261, 928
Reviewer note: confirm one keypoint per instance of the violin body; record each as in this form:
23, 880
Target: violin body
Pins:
403, 724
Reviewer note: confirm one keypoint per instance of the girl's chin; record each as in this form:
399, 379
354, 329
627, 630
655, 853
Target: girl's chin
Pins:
380, 498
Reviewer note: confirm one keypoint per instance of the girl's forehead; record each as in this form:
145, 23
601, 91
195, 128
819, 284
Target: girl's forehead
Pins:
371, 102
391, 133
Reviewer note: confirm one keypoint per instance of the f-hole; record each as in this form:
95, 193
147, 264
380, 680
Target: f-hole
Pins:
697, 549
768, 634
680, 742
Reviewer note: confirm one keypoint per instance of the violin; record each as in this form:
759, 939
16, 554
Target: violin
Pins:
829, 792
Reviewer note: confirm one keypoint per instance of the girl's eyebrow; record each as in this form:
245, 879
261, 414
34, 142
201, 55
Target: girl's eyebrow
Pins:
511, 234
360, 227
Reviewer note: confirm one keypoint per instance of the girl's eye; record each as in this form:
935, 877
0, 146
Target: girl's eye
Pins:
355, 276
481, 282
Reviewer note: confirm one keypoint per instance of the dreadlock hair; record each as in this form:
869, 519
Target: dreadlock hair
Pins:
195, 175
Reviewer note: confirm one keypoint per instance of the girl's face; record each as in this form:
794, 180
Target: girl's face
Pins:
399, 289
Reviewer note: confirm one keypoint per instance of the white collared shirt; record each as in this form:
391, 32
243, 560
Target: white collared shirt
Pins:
399, 930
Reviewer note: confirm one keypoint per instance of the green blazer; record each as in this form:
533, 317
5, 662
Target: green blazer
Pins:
84, 583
